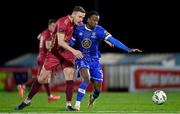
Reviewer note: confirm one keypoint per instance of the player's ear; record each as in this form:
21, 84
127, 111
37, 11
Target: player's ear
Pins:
73, 14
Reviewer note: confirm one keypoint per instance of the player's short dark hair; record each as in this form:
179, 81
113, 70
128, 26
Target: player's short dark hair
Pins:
89, 14
79, 8
51, 21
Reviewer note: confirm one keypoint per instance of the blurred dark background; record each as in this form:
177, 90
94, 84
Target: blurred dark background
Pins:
150, 26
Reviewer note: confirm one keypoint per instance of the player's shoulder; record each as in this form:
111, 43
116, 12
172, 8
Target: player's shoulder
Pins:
79, 27
64, 20
99, 28
45, 32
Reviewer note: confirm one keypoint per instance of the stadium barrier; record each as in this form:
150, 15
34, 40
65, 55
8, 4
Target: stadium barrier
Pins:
134, 77
7, 81
147, 78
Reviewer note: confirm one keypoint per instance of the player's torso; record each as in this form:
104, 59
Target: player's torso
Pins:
42, 44
67, 26
88, 42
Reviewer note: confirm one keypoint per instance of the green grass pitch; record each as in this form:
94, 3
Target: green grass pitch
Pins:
107, 103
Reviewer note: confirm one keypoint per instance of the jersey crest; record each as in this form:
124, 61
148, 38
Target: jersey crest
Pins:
86, 43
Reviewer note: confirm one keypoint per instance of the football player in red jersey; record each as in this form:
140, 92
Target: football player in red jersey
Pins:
44, 46
60, 53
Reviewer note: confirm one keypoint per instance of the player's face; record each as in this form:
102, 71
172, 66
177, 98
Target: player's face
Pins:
93, 21
78, 18
52, 26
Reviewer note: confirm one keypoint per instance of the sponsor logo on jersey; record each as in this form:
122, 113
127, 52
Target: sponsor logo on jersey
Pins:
93, 35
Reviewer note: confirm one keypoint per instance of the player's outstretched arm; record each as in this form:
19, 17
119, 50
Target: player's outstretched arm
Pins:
120, 45
109, 43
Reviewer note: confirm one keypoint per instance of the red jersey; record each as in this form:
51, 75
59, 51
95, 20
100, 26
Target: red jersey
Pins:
45, 35
65, 25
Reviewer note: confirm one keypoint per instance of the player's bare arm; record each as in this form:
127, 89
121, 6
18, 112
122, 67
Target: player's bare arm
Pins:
62, 43
39, 36
109, 43
135, 50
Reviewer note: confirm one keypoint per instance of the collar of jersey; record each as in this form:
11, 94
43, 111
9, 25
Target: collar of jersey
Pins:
87, 28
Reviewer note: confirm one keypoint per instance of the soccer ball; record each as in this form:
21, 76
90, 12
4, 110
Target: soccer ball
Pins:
159, 97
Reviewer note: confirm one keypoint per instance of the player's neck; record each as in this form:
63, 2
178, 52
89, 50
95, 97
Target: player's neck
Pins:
88, 27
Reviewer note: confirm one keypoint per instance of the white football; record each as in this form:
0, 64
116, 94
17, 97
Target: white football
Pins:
159, 97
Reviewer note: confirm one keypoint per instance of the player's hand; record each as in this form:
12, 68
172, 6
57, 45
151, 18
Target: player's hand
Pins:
135, 50
78, 54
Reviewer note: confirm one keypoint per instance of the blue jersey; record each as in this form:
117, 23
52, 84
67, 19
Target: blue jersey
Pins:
88, 40
88, 43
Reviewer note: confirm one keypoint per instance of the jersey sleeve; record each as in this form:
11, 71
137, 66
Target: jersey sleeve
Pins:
46, 36
102, 33
60, 26
43, 37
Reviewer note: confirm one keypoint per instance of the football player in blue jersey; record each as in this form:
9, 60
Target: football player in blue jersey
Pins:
87, 37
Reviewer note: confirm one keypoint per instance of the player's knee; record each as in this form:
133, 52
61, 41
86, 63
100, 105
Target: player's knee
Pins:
69, 76
87, 80
43, 81
69, 73
44, 77
40, 80
84, 72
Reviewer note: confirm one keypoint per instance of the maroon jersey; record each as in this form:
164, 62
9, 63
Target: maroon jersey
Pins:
65, 25
45, 35
58, 54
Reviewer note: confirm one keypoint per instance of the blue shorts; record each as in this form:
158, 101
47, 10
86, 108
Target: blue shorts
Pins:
94, 66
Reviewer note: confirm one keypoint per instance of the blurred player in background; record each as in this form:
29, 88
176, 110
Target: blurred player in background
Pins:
88, 37
44, 46
23, 81
61, 54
